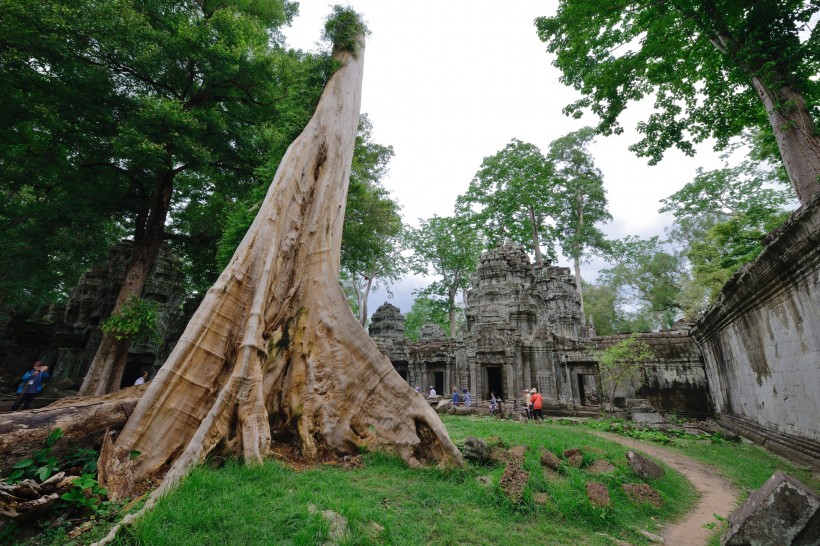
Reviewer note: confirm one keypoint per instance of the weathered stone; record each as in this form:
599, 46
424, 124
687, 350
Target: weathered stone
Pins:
574, 457
652, 537
513, 481
647, 418
641, 492
476, 449
525, 330
550, 460
601, 466
761, 342
598, 494
644, 467
777, 513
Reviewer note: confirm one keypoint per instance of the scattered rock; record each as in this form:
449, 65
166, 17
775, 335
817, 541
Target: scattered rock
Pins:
652, 537
601, 466
337, 522
513, 481
476, 449
782, 511
647, 418
641, 492
540, 498
486, 481
644, 467
550, 460
460, 410
598, 494
574, 457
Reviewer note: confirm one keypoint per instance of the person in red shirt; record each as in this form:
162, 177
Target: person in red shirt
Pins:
537, 404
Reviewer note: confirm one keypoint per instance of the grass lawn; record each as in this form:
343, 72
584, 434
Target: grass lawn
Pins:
384, 502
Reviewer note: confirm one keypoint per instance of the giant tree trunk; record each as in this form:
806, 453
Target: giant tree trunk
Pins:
273, 352
796, 136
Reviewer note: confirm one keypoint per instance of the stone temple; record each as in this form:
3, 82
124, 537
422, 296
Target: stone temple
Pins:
525, 329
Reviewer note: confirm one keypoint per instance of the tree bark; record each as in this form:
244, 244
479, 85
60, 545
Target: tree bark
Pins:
796, 136
273, 352
576, 259
536, 241
106, 370
82, 420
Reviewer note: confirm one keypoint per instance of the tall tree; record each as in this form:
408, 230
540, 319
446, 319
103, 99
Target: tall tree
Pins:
447, 247
374, 237
425, 310
581, 199
147, 109
721, 220
715, 67
648, 275
511, 197
273, 352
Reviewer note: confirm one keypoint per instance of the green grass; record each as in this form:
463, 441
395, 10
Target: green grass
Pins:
385, 502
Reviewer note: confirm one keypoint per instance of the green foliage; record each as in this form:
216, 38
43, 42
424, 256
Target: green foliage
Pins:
137, 318
511, 197
447, 247
414, 506
647, 278
425, 310
41, 465
581, 197
147, 120
621, 361
373, 236
697, 59
721, 220
344, 28
85, 493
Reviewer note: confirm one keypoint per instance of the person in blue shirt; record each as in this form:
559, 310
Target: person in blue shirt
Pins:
33, 382
468, 400
454, 397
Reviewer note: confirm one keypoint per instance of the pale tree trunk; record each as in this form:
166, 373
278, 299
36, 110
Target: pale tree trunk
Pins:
363, 305
536, 241
273, 352
451, 310
796, 136
108, 366
576, 259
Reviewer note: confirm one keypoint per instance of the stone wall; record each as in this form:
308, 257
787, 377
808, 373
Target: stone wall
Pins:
761, 342
68, 338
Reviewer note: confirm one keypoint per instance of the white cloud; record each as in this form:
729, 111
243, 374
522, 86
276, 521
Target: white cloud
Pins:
449, 83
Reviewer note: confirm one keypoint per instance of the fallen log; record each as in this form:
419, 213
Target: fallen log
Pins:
83, 421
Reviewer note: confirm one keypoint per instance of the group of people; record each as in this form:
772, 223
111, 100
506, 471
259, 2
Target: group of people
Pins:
464, 398
533, 403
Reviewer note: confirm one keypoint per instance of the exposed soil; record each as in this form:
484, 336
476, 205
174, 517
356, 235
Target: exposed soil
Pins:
717, 494
641, 492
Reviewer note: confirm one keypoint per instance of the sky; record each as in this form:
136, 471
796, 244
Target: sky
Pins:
450, 82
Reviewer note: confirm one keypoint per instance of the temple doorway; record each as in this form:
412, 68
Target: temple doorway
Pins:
494, 383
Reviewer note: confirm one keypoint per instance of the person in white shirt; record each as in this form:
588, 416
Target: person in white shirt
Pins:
141, 379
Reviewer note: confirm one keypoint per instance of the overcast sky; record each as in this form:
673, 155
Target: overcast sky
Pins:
448, 83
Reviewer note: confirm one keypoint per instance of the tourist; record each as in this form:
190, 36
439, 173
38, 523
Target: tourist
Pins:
493, 402
468, 400
432, 391
32, 385
527, 404
537, 404
455, 397
141, 379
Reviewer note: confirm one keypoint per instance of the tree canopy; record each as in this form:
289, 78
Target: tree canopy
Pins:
511, 197
713, 67
447, 247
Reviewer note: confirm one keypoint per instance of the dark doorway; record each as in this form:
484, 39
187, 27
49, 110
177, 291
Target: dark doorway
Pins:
403, 374
588, 390
439, 382
494, 383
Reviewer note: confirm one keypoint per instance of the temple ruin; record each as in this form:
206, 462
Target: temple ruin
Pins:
525, 329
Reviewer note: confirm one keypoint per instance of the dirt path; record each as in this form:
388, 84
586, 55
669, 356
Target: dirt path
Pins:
717, 494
